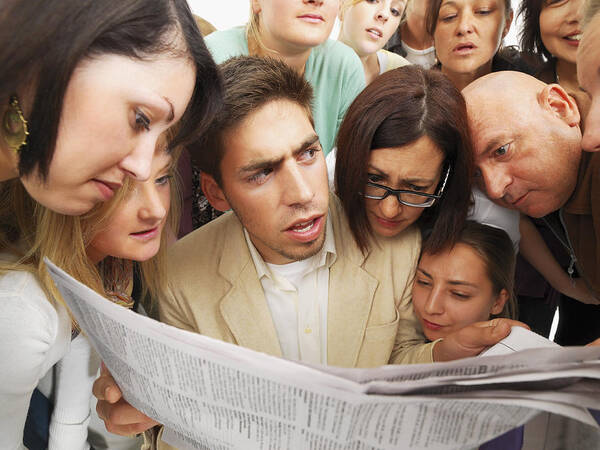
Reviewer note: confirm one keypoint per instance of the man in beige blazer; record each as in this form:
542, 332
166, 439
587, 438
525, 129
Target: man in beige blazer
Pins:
215, 290
263, 160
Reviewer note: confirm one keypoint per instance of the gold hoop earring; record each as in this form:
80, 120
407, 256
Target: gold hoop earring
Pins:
14, 125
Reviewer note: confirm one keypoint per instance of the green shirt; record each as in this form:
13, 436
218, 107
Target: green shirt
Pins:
333, 69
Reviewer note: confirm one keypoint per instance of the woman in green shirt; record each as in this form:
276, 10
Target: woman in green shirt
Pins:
297, 32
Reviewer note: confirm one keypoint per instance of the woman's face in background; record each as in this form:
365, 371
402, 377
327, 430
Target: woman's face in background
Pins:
452, 289
415, 167
134, 229
468, 33
369, 24
114, 110
559, 28
290, 26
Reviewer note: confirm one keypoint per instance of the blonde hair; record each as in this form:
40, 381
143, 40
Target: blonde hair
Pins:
591, 10
204, 26
31, 232
253, 32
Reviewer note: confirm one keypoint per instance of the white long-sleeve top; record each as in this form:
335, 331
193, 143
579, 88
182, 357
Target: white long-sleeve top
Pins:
34, 335
36, 350
73, 377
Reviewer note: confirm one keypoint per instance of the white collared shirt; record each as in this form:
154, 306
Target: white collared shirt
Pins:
297, 294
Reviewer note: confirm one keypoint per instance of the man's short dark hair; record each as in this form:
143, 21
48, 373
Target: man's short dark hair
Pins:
249, 82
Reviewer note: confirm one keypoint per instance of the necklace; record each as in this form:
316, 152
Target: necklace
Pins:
567, 246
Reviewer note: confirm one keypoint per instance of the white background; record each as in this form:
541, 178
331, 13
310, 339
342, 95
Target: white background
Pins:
224, 14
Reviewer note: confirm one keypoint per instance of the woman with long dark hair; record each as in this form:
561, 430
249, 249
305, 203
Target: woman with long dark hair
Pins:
551, 34
404, 157
86, 88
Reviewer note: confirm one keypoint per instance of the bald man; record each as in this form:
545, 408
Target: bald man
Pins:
527, 140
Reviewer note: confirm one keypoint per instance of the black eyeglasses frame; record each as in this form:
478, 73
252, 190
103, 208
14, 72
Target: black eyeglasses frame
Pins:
397, 192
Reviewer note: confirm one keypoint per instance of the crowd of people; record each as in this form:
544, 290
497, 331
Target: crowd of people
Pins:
404, 194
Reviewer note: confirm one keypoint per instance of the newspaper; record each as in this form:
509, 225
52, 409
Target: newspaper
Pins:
213, 395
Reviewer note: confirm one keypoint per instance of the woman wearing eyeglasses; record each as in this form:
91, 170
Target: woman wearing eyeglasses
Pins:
404, 160
404, 157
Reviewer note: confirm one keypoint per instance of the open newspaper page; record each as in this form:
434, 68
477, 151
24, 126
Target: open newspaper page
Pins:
214, 395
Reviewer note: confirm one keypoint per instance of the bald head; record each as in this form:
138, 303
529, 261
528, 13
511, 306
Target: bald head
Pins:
526, 139
504, 80
506, 87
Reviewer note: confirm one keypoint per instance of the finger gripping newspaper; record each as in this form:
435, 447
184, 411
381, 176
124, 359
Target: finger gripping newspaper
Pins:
209, 394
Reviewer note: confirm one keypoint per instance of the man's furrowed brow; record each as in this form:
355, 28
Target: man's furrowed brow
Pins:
263, 163
259, 164
312, 140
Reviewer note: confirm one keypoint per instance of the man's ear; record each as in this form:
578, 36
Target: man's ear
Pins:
499, 303
507, 24
555, 99
213, 192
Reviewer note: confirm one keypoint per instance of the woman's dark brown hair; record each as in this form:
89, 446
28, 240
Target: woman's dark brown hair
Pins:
494, 247
43, 41
531, 36
396, 109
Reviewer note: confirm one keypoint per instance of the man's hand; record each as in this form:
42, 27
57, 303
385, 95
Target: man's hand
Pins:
473, 339
118, 415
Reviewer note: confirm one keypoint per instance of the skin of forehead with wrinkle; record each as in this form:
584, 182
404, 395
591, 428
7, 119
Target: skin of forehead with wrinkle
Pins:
499, 88
526, 140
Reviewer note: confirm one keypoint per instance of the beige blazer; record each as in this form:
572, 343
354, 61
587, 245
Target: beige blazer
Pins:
214, 290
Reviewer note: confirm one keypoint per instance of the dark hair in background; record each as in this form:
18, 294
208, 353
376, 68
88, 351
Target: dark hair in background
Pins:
396, 109
496, 249
530, 39
531, 35
249, 83
43, 41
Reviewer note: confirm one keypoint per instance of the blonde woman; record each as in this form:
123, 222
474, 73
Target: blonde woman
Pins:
367, 25
38, 340
297, 31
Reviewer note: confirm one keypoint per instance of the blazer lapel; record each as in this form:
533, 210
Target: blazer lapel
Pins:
244, 307
351, 292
